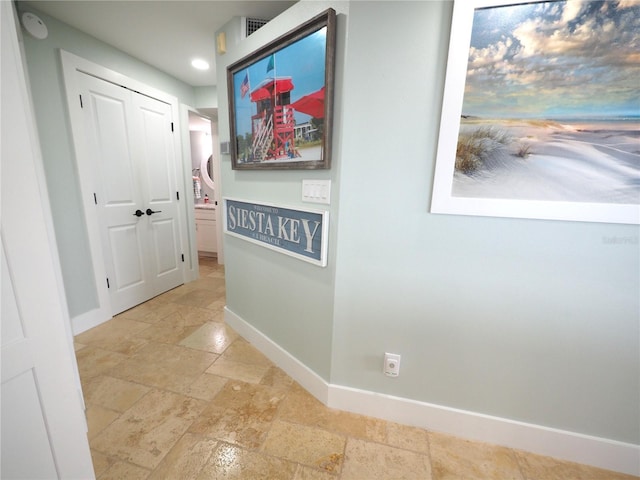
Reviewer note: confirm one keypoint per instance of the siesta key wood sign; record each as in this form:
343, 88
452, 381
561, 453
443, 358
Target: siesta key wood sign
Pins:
300, 233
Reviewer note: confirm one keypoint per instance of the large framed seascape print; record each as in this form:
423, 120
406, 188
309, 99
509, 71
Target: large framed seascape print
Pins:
281, 100
541, 111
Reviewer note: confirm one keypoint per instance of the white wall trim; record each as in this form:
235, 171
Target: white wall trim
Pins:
192, 272
302, 374
574, 447
85, 321
561, 444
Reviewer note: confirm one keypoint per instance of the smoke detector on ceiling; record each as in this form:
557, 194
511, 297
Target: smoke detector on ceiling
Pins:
34, 26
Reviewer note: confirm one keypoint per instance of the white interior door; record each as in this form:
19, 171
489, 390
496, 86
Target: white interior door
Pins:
130, 141
43, 430
159, 184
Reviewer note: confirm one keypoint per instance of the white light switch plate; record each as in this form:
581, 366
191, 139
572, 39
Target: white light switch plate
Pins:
316, 191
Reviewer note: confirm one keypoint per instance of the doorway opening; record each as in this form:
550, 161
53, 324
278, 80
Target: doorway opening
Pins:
203, 143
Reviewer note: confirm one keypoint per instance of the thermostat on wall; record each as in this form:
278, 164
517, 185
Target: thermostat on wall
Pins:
34, 25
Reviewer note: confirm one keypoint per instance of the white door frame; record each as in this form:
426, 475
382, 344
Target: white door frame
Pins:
217, 175
192, 269
71, 64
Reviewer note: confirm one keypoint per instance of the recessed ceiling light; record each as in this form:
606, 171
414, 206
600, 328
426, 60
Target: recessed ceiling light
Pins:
200, 64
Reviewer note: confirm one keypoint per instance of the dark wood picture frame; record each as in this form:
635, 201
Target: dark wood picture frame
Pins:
281, 100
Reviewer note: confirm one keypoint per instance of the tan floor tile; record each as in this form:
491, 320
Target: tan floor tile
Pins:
218, 306
94, 361
203, 295
454, 458
301, 407
205, 387
275, 377
158, 300
375, 461
212, 282
536, 467
190, 315
310, 446
245, 429
151, 312
243, 351
122, 470
409, 438
240, 414
140, 311
307, 473
234, 463
146, 432
196, 298
115, 335
242, 396
164, 366
167, 330
101, 463
238, 371
186, 459
171, 295
205, 269
210, 337
216, 271
113, 393
99, 418
78, 346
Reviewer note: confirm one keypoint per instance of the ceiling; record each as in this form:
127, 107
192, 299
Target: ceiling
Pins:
166, 34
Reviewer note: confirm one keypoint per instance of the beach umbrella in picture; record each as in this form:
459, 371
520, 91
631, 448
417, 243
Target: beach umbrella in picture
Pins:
267, 88
312, 104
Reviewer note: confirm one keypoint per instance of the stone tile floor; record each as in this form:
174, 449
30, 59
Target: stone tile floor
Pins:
174, 393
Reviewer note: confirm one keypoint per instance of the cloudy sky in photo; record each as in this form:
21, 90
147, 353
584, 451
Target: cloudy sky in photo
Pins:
555, 59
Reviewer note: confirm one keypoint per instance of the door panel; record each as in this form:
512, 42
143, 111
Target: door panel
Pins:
25, 441
165, 242
29, 445
156, 149
127, 257
113, 156
108, 112
11, 328
158, 156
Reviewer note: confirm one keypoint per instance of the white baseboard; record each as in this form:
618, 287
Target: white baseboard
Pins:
561, 444
302, 374
88, 320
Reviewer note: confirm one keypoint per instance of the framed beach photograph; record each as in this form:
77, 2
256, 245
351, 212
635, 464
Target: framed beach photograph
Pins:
541, 112
281, 100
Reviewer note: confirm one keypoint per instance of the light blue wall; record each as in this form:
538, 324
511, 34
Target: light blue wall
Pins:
530, 320
206, 97
536, 321
288, 300
47, 87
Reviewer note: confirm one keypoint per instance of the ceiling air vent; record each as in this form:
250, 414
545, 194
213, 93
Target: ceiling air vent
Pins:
251, 25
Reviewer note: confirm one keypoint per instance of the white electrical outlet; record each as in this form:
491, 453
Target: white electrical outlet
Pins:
391, 364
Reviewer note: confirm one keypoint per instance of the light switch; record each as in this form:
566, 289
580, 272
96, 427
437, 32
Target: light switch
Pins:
316, 191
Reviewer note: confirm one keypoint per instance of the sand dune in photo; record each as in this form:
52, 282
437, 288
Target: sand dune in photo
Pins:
547, 160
